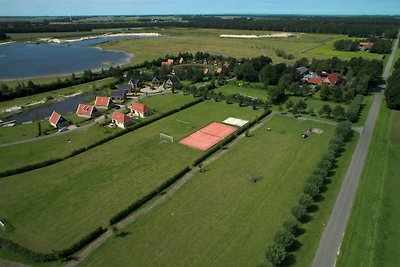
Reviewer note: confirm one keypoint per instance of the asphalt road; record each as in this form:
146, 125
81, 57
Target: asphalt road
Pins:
329, 245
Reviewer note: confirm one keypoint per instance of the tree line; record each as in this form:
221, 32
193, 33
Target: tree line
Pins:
380, 46
284, 241
366, 26
392, 91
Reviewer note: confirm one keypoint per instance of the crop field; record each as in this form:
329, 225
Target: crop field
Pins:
372, 235
208, 40
220, 217
53, 207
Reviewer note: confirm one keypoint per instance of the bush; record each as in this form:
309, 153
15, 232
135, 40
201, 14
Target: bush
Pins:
284, 238
306, 201
291, 225
276, 254
299, 212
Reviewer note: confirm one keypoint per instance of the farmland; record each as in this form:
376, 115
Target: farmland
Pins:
84, 197
220, 217
208, 40
372, 234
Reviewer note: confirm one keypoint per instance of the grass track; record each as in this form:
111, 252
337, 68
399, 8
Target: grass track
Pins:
220, 218
372, 235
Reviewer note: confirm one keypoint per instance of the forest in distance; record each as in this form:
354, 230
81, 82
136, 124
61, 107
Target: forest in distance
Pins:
360, 26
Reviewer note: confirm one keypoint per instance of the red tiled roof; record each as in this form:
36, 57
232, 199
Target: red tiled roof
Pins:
120, 117
332, 78
102, 101
140, 108
315, 81
218, 70
54, 118
85, 110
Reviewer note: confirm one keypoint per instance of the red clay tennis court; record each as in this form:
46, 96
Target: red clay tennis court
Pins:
208, 136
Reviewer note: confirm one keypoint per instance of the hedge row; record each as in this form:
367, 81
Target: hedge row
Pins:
139, 203
100, 142
286, 237
230, 138
55, 255
355, 107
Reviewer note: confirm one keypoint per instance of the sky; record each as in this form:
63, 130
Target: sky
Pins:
176, 7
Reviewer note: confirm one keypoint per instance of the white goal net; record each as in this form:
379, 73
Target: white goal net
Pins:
166, 137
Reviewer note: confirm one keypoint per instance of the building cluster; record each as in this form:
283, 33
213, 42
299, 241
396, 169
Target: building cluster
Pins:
318, 78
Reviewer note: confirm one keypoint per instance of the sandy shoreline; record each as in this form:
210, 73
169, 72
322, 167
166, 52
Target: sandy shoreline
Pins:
61, 41
256, 36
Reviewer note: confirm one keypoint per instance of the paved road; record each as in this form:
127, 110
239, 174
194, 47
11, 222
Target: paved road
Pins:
329, 246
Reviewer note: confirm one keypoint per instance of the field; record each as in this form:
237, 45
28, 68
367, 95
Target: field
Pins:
207, 40
55, 206
327, 49
372, 235
20, 132
162, 103
221, 218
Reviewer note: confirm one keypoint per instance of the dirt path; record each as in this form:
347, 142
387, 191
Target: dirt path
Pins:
158, 201
5, 263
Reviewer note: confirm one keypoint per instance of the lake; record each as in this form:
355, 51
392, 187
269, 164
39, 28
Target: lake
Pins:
24, 60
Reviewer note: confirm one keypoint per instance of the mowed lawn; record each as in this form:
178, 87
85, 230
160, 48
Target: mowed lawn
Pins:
373, 235
254, 90
53, 207
208, 40
23, 131
59, 146
220, 217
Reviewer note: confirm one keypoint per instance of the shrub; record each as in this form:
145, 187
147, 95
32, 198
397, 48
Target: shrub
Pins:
276, 254
299, 212
291, 225
284, 238
306, 201
311, 189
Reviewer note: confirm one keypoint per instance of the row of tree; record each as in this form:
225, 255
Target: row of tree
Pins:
285, 239
392, 91
380, 46
353, 26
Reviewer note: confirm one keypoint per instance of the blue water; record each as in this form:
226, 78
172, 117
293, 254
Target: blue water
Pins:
21, 60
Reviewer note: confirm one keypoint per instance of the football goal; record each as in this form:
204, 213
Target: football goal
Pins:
166, 137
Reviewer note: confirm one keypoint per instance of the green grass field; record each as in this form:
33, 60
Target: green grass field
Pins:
59, 146
327, 49
221, 218
372, 235
193, 40
24, 131
253, 89
55, 206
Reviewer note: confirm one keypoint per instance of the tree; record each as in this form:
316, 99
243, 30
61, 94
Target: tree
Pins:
276, 254
326, 110
301, 106
344, 130
306, 201
299, 212
311, 111
289, 104
284, 238
311, 189
291, 225
325, 92
276, 93
339, 113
